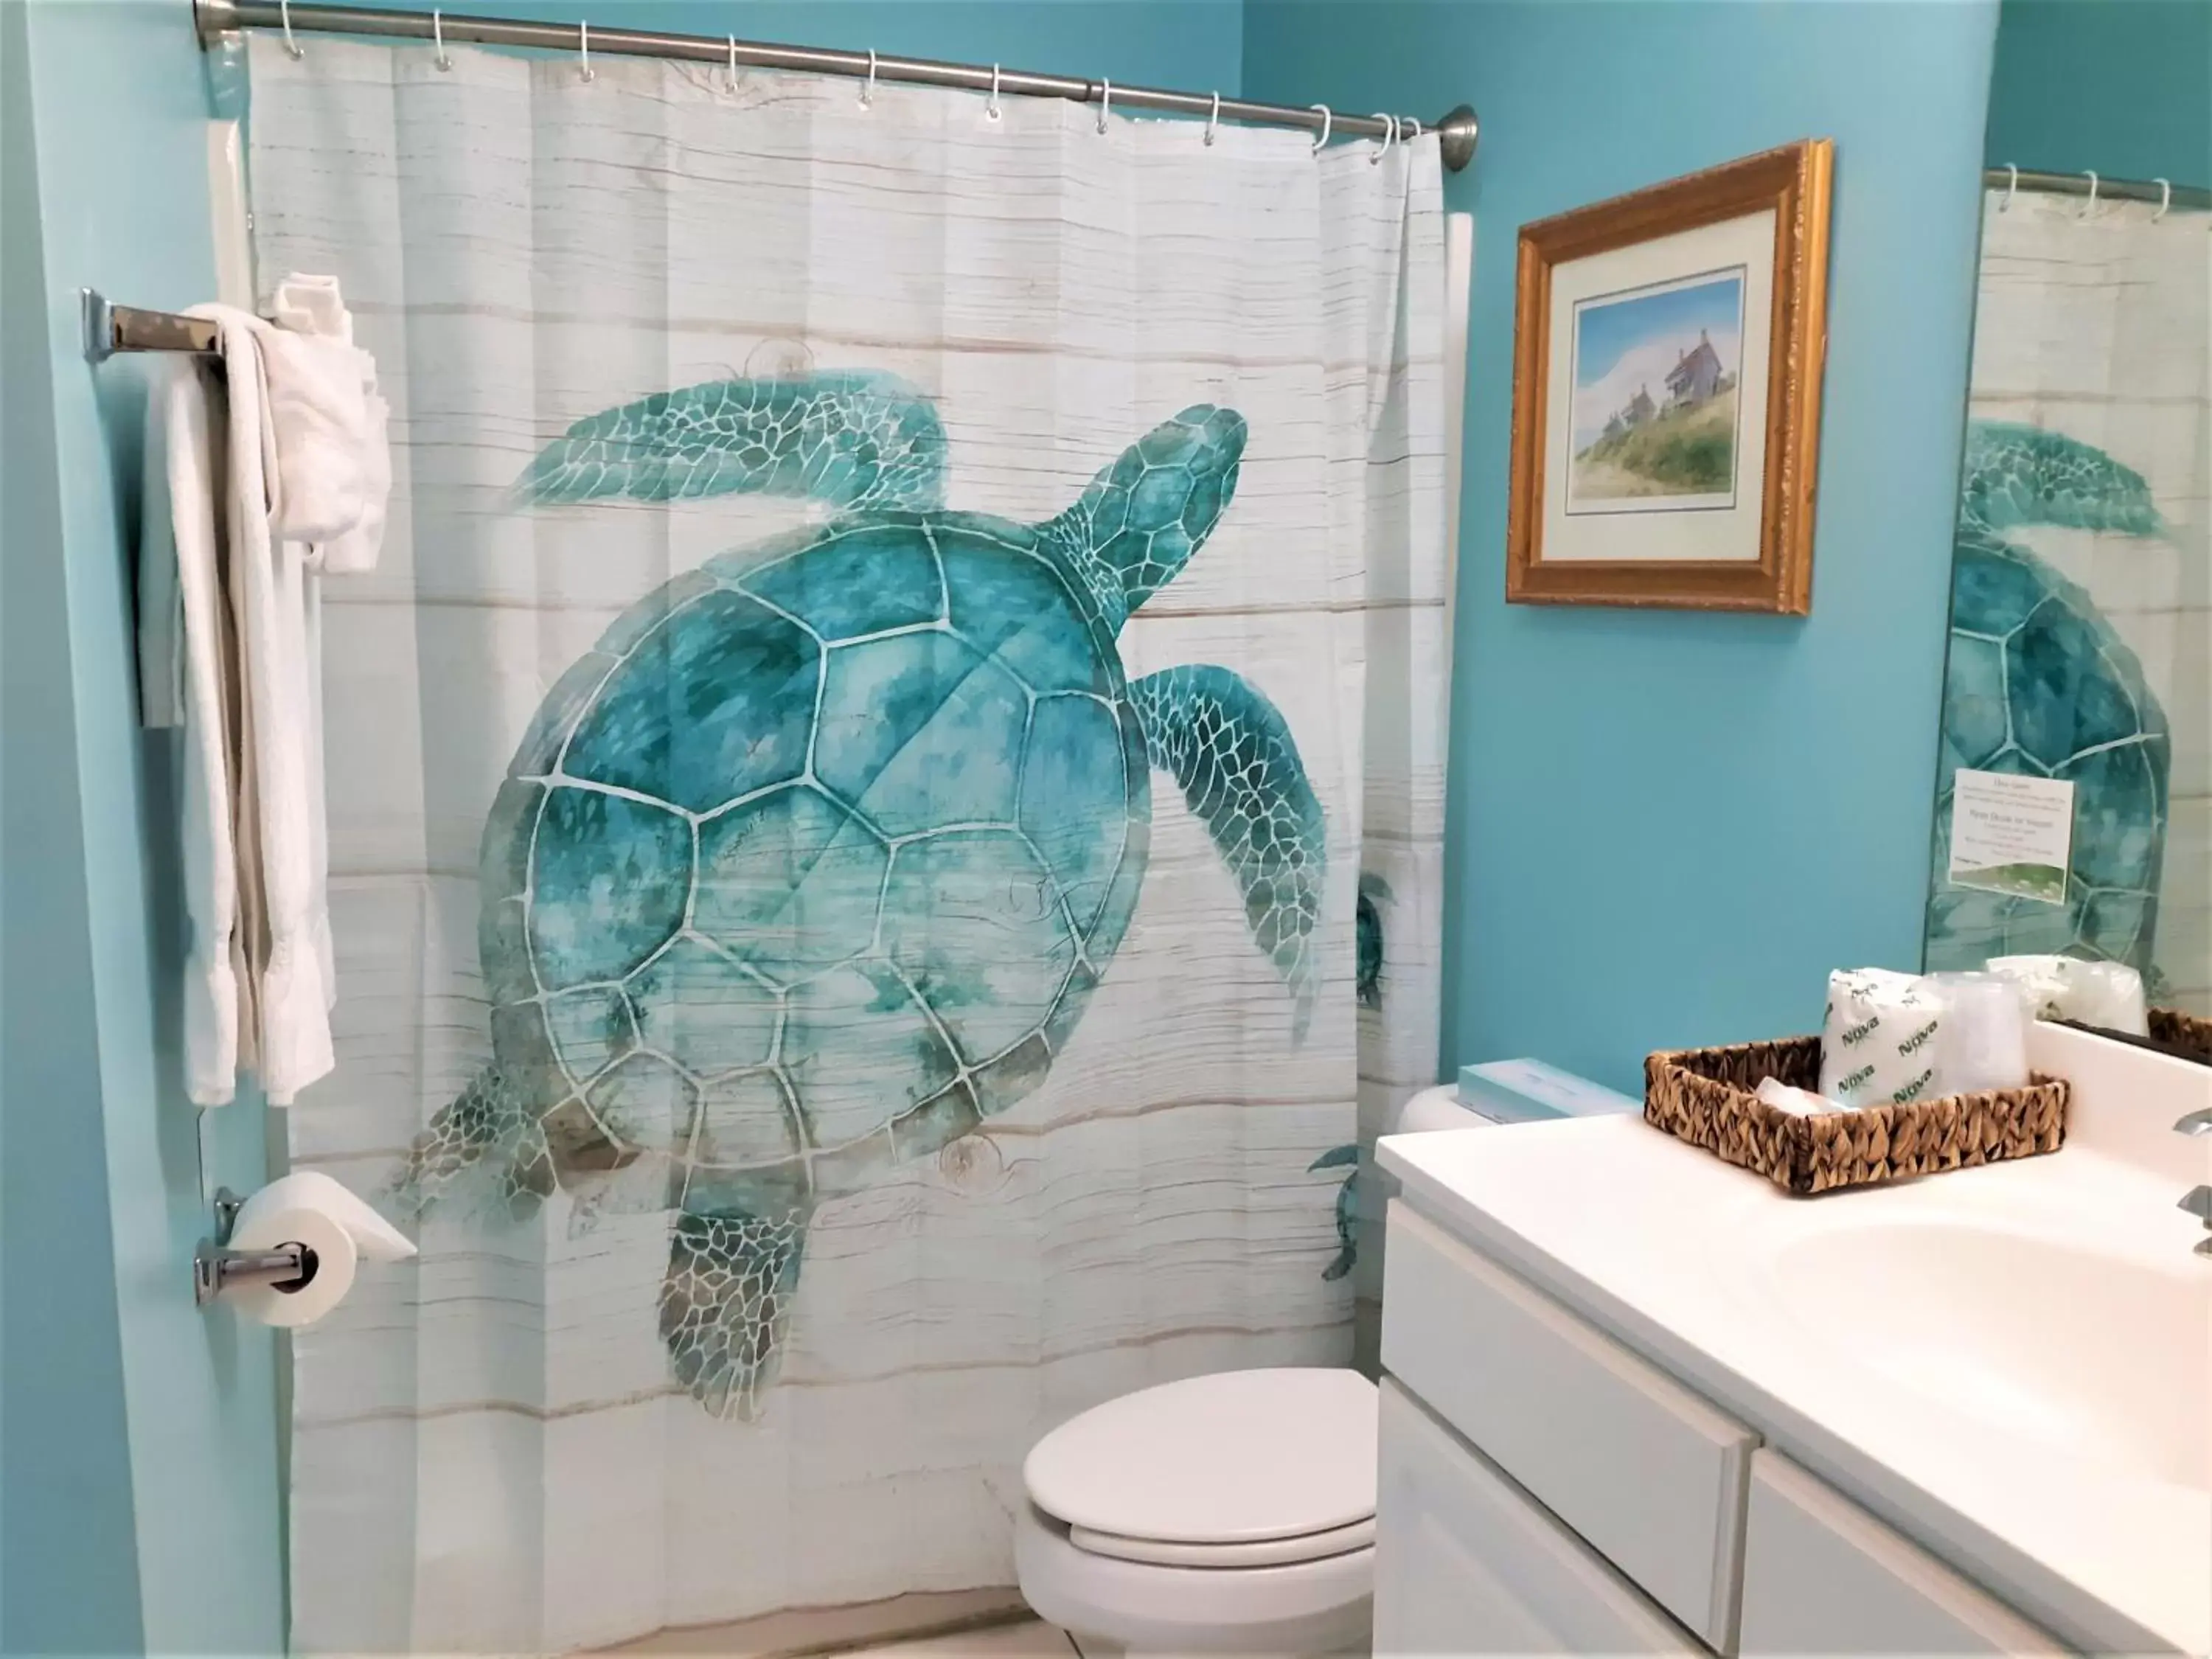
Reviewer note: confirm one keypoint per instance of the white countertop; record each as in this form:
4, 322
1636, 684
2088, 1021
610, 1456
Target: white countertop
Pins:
1718, 1276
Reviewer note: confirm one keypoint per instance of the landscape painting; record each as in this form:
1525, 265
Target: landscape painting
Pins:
1654, 373
1669, 348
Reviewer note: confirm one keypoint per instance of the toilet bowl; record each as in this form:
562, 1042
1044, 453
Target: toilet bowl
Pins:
1233, 1513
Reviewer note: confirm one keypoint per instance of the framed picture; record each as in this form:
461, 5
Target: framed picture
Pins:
1667, 392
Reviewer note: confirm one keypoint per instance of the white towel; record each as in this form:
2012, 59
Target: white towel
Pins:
187, 663
242, 516
281, 751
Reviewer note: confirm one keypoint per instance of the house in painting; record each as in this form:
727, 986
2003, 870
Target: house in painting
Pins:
1696, 376
1640, 408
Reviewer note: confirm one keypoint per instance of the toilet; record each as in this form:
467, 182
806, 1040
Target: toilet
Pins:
1233, 1513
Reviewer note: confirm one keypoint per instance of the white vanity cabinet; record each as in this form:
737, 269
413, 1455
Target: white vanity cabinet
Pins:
1543, 1489
1822, 1576
1467, 1562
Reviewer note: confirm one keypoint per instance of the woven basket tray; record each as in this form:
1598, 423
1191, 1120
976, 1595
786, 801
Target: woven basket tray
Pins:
2187, 1032
1706, 1096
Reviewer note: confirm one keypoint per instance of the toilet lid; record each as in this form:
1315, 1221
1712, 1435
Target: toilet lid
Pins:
1238, 1457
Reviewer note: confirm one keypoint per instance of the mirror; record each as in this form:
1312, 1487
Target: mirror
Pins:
2074, 804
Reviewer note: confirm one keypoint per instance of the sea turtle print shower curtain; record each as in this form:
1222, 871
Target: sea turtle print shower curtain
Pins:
2080, 583
885, 815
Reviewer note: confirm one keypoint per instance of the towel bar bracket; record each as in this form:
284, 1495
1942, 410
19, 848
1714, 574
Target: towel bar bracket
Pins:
109, 329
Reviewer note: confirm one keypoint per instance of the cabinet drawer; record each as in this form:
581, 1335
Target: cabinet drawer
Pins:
1822, 1576
1467, 1562
1651, 1474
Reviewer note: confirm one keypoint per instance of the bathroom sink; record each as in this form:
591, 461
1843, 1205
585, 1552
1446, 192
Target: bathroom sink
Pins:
2098, 1355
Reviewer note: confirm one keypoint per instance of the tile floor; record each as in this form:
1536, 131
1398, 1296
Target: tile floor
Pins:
1029, 1639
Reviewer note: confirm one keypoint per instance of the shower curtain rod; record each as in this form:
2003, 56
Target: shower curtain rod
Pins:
1455, 132
2108, 190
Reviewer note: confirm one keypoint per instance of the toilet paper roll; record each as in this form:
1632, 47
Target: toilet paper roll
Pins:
309, 1209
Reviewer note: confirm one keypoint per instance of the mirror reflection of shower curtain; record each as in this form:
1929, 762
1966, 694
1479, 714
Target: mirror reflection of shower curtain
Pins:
2081, 598
867, 884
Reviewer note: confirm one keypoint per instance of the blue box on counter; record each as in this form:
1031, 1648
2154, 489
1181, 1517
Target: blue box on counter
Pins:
1528, 1090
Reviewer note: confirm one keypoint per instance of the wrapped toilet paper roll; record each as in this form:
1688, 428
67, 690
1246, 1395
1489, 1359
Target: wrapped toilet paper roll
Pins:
308, 1208
1881, 1039
2106, 993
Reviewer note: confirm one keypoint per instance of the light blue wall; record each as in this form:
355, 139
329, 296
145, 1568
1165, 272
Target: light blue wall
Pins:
115, 103
2122, 86
138, 1498
65, 1516
1665, 828
1179, 43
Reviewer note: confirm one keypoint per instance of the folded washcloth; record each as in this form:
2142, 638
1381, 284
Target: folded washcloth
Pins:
310, 305
1798, 1103
333, 463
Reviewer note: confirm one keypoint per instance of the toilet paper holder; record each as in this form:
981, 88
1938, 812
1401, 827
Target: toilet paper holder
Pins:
216, 1267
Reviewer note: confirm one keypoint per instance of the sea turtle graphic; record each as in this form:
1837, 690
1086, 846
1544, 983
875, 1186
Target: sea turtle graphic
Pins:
2038, 683
814, 861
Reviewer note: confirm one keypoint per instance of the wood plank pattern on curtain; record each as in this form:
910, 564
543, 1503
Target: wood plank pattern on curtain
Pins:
499, 1448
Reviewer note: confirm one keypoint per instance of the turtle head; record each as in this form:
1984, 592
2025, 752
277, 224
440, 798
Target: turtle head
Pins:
1144, 515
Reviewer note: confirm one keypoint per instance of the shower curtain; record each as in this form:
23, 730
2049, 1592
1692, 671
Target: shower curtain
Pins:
885, 815
2082, 584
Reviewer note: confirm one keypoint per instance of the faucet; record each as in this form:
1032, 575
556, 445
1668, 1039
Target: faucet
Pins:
2198, 1199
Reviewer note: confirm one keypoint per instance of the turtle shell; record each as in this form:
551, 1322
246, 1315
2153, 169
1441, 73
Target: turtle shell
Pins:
2038, 683
813, 861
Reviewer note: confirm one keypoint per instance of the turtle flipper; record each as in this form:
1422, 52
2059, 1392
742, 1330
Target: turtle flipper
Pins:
854, 439
1367, 954
1347, 1207
488, 1125
2023, 475
725, 1305
1233, 754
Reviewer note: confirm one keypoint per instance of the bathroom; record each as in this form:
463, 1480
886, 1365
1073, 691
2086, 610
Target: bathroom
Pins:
1633, 827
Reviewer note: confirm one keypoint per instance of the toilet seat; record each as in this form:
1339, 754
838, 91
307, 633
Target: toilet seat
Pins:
1234, 1458
1261, 1553
1226, 1514
1305, 1607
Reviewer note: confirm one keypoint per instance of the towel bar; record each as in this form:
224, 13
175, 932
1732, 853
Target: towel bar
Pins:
109, 329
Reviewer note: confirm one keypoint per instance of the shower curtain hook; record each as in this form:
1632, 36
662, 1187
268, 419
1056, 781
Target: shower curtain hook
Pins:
1390, 138
991, 110
733, 64
1214, 119
1327, 121
868, 87
2165, 198
1415, 122
584, 52
438, 35
292, 46
2012, 185
1105, 103
2090, 206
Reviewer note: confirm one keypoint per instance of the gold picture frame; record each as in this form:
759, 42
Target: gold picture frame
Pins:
1700, 496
